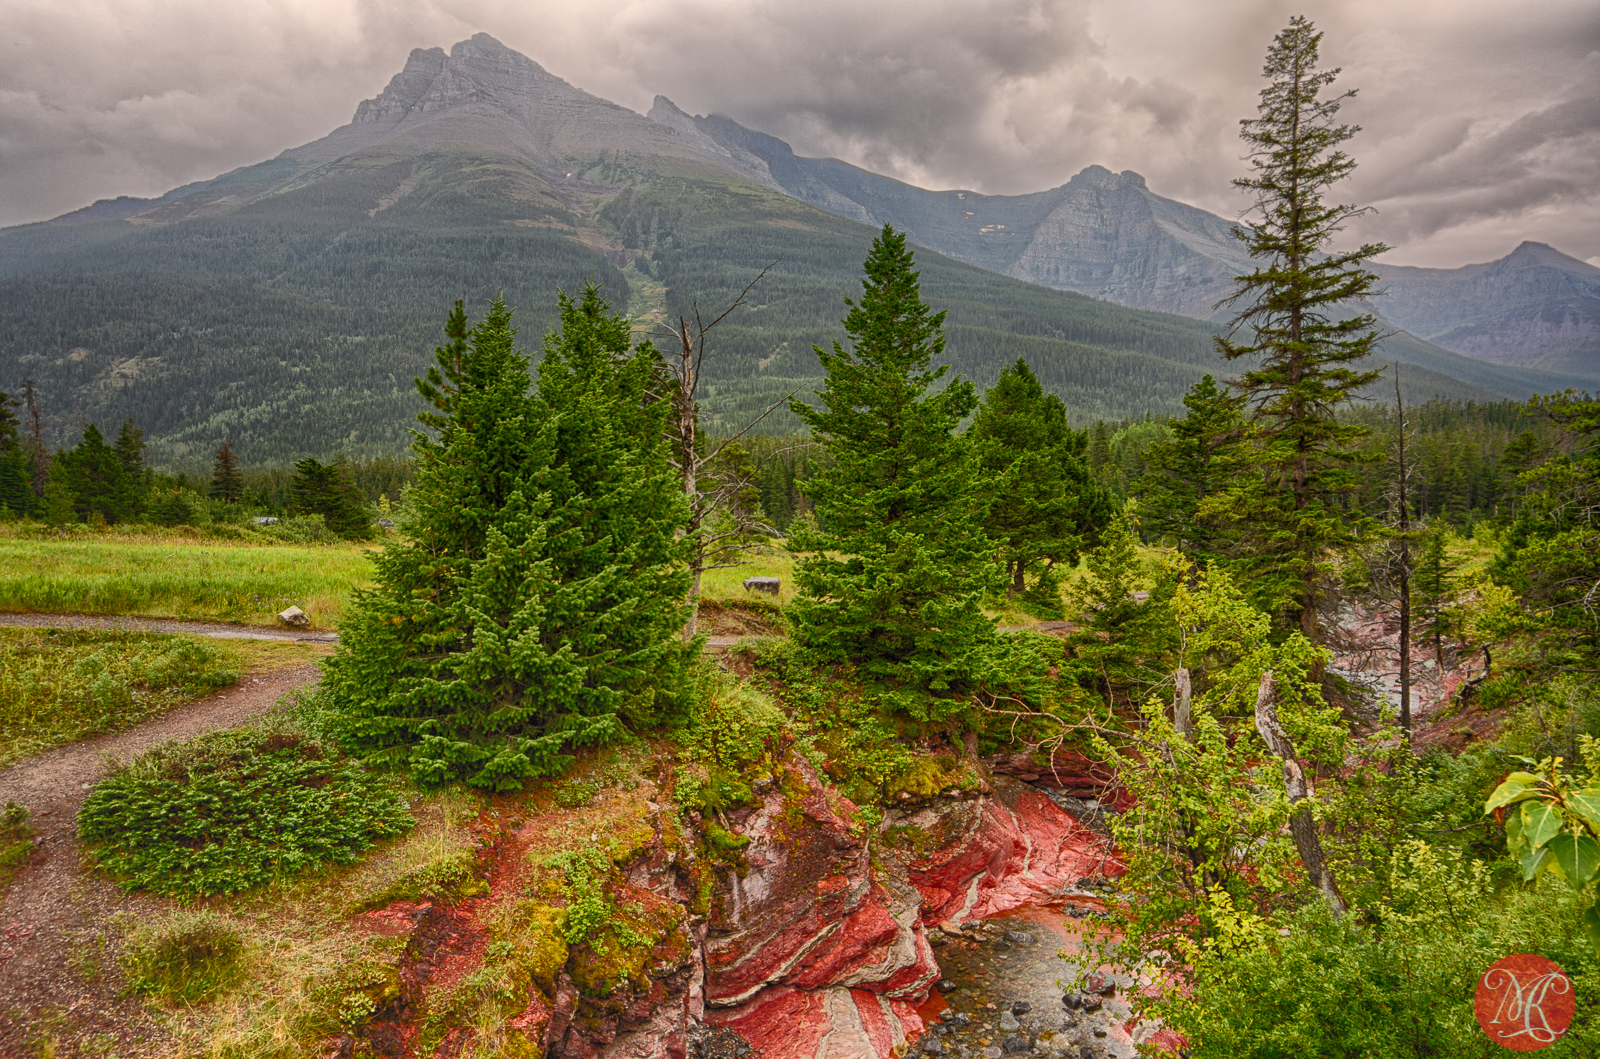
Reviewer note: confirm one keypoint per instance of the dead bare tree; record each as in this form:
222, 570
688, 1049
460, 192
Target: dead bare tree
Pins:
723, 519
1405, 571
1302, 825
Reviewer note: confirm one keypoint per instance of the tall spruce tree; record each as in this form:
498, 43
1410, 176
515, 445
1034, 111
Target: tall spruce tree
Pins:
1293, 324
529, 602
1046, 507
135, 485
227, 480
893, 579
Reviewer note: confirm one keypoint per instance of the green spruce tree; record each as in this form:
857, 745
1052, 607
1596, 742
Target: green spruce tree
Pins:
1046, 507
93, 475
1188, 473
530, 602
134, 487
1292, 324
15, 493
329, 490
227, 480
893, 580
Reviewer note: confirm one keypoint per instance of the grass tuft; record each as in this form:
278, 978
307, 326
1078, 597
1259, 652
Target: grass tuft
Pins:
186, 958
16, 841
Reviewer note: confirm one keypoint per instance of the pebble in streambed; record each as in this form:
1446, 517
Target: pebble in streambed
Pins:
1001, 996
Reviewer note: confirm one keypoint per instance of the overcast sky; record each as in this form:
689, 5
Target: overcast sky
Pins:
1481, 117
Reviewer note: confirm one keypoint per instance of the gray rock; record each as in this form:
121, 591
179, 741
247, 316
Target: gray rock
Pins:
1021, 1007
294, 616
769, 585
1015, 1045
992, 1052
931, 1046
1017, 937
1009, 1022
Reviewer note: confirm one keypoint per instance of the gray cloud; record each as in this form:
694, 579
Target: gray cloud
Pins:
1481, 127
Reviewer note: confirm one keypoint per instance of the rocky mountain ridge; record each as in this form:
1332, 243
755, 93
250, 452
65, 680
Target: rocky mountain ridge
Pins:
1109, 236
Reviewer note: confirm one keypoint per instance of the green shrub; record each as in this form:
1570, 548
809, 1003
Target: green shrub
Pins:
232, 811
575, 794
187, 958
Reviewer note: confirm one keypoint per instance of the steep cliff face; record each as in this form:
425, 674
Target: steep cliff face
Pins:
1109, 236
1535, 307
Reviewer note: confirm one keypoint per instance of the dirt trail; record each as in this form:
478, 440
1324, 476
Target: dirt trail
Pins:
57, 969
214, 629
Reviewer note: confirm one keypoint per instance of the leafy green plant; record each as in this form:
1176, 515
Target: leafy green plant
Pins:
232, 811
1553, 825
186, 958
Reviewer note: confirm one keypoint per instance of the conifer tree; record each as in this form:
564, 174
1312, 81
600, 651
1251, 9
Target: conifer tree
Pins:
530, 601
227, 480
330, 491
135, 484
893, 579
1306, 354
93, 475
1197, 462
15, 495
1046, 507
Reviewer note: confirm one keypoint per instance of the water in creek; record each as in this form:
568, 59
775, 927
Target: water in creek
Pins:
1001, 993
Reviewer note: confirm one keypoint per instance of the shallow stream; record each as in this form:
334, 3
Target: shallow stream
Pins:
1001, 992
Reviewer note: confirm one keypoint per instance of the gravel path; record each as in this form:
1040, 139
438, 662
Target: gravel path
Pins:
56, 949
215, 629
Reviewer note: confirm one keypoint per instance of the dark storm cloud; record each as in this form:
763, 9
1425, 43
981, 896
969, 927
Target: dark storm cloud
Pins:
1480, 118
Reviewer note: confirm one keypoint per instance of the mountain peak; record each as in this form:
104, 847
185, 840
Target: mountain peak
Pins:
1541, 255
1098, 176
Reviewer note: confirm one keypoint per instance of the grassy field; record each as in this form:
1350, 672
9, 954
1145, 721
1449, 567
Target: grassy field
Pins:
179, 578
60, 685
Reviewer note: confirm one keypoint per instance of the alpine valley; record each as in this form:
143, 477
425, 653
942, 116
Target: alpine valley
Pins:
289, 304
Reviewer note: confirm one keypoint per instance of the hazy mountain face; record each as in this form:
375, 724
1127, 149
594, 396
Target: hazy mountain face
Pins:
1535, 307
1107, 235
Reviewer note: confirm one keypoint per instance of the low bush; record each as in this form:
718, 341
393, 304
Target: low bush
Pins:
232, 811
186, 958
61, 685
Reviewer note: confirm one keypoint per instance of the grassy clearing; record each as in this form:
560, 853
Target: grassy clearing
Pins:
726, 584
178, 578
60, 685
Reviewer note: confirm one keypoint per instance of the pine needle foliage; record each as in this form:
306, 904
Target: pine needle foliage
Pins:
1293, 323
1046, 508
530, 602
893, 580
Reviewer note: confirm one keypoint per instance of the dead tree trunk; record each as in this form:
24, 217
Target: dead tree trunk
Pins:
1302, 826
1405, 572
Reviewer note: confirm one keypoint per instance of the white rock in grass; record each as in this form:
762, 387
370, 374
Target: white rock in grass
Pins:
294, 616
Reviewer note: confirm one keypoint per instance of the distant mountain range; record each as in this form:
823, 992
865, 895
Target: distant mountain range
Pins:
289, 304
1109, 236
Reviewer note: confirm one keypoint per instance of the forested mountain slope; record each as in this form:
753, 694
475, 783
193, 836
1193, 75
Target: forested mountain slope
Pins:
289, 304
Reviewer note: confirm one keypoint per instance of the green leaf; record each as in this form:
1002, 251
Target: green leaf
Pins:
1505, 794
1586, 804
1578, 856
1540, 823
1533, 862
1591, 925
